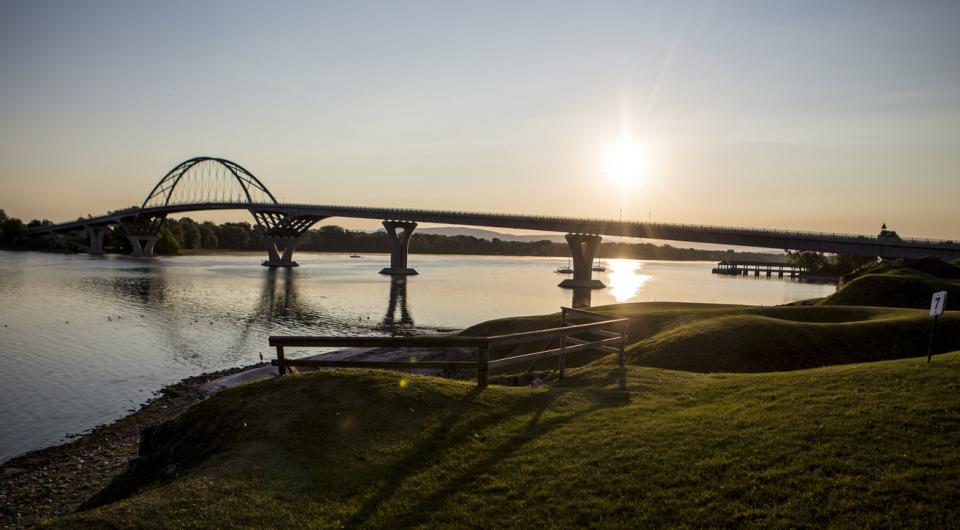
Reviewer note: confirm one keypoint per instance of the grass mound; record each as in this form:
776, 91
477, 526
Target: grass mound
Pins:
856, 445
935, 267
757, 343
728, 338
895, 288
898, 283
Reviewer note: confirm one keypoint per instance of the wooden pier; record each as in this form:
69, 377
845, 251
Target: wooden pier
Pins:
744, 268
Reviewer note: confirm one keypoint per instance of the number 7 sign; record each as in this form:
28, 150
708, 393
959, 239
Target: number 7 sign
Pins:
937, 303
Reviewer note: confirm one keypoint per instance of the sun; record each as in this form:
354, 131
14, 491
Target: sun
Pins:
626, 161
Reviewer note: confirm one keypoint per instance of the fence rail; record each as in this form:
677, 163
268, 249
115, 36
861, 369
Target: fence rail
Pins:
485, 346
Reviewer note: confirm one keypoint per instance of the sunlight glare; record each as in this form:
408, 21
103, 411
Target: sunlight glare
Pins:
626, 161
625, 279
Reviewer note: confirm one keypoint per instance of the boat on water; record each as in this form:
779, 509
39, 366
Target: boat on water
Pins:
598, 267
356, 256
564, 270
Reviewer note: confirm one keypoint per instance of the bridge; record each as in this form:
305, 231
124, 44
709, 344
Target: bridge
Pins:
208, 183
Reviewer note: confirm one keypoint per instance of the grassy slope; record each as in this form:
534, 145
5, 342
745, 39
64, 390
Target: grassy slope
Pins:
898, 288
855, 445
899, 283
717, 338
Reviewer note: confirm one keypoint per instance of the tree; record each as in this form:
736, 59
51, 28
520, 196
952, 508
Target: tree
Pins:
12, 232
208, 236
812, 261
191, 237
176, 230
234, 236
166, 243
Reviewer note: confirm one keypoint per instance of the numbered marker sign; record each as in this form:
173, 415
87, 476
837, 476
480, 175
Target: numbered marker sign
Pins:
937, 303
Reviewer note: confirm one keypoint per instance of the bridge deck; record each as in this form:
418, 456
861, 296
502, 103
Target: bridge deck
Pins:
853, 244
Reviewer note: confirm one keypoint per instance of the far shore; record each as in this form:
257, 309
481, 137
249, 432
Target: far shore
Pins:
774, 258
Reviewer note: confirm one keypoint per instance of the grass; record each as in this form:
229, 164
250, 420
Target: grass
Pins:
897, 288
855, 445
899, 283
725, 338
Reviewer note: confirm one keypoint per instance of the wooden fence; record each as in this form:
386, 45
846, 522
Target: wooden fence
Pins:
600, 333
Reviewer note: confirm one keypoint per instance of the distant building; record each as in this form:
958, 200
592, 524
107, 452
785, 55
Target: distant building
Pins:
885, 233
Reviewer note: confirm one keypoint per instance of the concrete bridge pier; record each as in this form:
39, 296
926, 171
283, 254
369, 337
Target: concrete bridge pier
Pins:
399, 247
61, 240
142, 233
583, 248
280, 251
581, 297
142, 245
96, 233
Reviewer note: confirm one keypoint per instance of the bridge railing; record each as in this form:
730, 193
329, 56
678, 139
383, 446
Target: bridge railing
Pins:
839, 236
651, 227
602, 333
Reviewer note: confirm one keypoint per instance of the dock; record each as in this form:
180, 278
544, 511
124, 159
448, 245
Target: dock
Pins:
744, 268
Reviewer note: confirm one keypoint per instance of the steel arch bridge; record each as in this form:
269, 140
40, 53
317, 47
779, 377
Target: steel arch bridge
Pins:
209, 183
207, 179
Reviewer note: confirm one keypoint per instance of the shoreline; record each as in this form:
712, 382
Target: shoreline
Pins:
53, 481
227, 252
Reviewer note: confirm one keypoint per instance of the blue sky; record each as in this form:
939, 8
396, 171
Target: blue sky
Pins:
809, 115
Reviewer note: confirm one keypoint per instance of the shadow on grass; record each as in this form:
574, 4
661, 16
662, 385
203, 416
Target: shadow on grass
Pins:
430, 452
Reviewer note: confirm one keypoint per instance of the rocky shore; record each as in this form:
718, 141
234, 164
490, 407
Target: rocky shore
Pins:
50, 482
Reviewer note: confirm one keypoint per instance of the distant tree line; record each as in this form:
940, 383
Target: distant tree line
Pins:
185, 234
827, 264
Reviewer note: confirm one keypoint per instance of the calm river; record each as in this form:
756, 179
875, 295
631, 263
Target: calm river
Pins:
84, 339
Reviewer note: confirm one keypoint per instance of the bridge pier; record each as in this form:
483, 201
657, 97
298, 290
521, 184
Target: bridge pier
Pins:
581, 297
280, 251
399, 247
96, 233
142, 245
583, 248
61, 240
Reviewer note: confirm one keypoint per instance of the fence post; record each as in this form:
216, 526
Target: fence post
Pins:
281, 367
623, 342
483, 354
563, 316
563, 344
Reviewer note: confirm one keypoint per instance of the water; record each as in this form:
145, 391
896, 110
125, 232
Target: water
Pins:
85, 339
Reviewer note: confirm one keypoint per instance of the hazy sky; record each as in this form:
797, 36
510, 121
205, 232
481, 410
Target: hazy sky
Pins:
811, 115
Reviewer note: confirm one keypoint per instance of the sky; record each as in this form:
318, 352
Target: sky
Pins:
812, 115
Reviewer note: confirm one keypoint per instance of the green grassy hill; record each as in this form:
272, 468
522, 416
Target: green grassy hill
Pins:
899, 283
856, 445
718, 338
898, 288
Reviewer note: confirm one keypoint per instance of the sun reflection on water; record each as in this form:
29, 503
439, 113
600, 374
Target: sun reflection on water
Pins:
624, 278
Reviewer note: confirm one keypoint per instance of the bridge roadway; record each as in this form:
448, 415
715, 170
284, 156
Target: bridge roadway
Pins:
850, 244
210, 183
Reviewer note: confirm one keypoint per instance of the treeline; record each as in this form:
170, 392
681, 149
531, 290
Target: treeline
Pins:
820, 263
185, 234
13, 234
